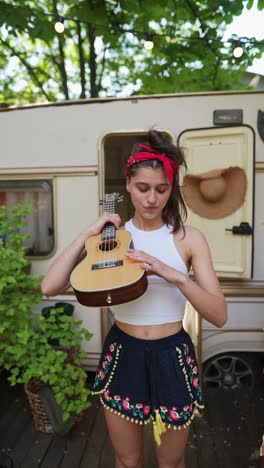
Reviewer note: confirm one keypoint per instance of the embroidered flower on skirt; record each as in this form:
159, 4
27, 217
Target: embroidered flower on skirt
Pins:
106, 365
138, 410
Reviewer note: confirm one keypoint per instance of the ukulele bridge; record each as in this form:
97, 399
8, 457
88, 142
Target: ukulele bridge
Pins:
107, 264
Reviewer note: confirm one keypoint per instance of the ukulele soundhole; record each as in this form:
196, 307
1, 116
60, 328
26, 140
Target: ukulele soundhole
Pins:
108, 245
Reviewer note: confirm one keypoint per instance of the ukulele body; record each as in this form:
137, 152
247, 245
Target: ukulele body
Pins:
106, 276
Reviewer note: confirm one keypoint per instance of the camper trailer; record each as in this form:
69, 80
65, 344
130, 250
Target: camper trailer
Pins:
66, 156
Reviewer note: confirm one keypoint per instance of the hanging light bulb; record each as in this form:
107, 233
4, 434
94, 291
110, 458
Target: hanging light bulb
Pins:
59, 25
238, 50
149, 44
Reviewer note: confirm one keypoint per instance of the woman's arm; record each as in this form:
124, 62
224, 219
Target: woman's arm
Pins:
57, 279
205, 293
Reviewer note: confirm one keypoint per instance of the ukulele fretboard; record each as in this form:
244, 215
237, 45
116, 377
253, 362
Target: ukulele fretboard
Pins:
109, 231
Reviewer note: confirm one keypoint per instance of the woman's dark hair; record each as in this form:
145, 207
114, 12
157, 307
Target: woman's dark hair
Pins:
175, 211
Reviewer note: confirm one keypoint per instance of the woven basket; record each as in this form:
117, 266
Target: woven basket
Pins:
40, 417
41, 420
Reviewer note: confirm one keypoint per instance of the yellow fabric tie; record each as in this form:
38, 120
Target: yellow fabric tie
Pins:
158, 428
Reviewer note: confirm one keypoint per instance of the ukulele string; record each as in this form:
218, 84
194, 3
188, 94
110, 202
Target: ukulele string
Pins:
107, 246
104, 236
109, 230
107, 234
112, 227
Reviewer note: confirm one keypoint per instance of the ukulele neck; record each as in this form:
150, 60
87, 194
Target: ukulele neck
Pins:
109, 230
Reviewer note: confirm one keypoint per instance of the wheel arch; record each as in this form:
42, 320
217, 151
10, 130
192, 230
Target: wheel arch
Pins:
219, 342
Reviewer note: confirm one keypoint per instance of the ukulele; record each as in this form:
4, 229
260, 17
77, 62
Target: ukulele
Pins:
106, 277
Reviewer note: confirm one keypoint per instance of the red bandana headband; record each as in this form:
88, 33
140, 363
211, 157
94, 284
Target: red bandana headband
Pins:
170, 166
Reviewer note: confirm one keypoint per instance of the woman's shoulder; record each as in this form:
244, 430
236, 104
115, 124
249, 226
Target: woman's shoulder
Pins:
196, 240
191, 230
188, 231
191, 236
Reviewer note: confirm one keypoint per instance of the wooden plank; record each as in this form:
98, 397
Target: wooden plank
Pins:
251, 408
191, 452
77, 438
37, 450
107, 458
55, 453
90, 457
23, 444
8, 415
259, 418
20, 417
219, 418
234, 447
231, 414
95, 442
243, 428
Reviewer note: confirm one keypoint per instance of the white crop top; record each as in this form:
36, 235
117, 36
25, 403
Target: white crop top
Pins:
162, 302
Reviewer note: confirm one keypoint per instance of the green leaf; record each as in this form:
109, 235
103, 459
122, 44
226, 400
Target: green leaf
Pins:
260, 4
249, 4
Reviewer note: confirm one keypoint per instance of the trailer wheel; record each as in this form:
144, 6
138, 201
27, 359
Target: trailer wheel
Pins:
232, 371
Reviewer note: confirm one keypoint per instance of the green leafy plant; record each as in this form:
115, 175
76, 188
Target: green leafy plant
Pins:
27, 344
58, 366
18, 289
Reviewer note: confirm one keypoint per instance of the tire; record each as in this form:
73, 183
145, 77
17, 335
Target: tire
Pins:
233, 371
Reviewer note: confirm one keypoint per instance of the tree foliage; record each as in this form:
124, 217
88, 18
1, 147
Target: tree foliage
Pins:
101, 51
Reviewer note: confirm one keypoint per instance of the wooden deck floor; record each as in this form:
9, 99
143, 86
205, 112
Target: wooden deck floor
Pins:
228, 435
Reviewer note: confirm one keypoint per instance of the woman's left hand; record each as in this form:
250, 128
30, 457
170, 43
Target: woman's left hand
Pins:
154, 266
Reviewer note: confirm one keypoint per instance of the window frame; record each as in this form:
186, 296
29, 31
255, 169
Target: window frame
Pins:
28, 180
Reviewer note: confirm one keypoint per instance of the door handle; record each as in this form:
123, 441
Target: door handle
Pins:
243, 229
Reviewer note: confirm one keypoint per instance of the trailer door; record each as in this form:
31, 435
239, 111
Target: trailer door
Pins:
217, 148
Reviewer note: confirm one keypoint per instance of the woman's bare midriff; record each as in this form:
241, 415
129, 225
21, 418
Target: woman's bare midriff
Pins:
150, 332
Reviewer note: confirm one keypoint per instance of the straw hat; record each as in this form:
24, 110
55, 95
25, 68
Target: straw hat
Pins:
217, 193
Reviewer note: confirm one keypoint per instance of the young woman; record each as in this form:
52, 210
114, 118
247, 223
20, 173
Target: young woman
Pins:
148, 370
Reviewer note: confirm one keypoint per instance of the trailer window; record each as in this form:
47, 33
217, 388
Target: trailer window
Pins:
40, 227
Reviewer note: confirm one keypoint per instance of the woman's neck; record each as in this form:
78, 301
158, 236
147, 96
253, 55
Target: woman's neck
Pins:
147, 224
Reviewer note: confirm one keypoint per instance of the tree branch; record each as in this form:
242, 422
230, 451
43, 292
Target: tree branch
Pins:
81, 61
62, 59
29, 69
92, 61
215, 72
99, 85
195, 13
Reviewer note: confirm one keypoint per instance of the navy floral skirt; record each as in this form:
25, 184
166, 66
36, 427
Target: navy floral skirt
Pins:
149, 380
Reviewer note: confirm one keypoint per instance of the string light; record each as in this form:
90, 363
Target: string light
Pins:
149, 44
238, 50
59, 25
